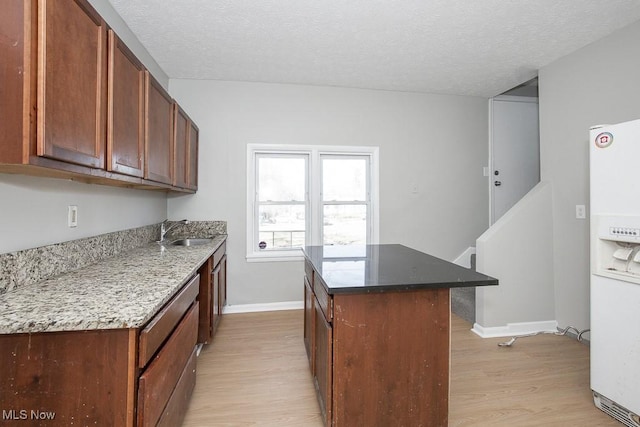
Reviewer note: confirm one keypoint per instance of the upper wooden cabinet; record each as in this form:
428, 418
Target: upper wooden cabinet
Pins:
125, 120
158, 133
15, 72
71, 82
76, 103
192, 156
181, 144
185, 150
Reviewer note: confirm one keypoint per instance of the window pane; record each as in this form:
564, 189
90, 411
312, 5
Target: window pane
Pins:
281, 179
344, 179
345, 225
281, 226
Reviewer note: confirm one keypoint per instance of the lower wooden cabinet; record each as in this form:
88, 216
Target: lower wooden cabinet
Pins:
213, 294
157, 383
71, 377
179, 400
118, 377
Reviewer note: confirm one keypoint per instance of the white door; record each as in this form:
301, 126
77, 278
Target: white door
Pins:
515, 151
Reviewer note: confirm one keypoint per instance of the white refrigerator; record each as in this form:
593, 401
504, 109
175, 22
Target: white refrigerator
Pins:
615, 269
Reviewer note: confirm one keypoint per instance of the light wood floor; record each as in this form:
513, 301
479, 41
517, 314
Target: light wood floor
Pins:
255, 373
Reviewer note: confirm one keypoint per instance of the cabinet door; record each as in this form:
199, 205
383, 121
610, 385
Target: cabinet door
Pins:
158, 132
192, 156
323, 366
205, 327
185, 150
125, 119
15, 97
180, 147
222, 285
71, 87
216, 297
309, 319
84, 377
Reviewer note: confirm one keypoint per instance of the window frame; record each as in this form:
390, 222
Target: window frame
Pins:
313, 233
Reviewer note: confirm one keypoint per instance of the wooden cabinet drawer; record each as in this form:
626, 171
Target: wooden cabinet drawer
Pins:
308, 271
179, 401
159, 328
219, 253
325, 301
159, 380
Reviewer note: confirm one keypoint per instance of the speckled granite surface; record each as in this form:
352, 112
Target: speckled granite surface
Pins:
23, 268
197, 229
124, 291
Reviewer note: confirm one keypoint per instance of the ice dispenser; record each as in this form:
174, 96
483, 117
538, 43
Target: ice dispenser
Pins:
617, 247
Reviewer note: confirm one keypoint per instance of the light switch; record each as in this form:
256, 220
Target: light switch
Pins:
581, 212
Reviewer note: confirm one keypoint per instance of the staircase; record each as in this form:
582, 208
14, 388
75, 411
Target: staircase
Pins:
463, 300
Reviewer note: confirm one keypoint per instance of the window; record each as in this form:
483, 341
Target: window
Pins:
282, 190
309, 195
345, 199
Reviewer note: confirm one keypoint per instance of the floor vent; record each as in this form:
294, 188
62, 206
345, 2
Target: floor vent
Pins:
621, 414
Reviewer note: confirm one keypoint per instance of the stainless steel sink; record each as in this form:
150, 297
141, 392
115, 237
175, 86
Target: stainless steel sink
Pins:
190, 242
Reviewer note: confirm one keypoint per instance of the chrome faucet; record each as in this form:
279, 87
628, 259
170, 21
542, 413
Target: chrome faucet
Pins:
164, 229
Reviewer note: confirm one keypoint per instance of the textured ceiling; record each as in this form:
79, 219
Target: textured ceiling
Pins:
464, 47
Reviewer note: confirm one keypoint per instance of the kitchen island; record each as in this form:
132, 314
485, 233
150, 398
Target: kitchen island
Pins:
377, 333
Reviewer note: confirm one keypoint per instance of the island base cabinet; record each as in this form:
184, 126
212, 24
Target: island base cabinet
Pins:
309, 321
322, 374
391, 358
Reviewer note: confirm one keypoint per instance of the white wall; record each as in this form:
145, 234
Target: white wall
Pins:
34, 210
594, 85
435, 142
518, 250
115, 21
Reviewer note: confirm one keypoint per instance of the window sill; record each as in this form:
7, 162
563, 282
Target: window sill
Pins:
285, 256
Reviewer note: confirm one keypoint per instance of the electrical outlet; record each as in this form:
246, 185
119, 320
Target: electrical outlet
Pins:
72, 216
581, 212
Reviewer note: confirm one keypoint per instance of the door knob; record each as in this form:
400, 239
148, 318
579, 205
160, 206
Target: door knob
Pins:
497, 183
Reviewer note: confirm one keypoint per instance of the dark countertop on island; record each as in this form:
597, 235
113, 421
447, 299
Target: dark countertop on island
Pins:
380, 268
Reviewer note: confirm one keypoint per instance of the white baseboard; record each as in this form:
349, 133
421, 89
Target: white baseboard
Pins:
513, 329
464, 259
271, 306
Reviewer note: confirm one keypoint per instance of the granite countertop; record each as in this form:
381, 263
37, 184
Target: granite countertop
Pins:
380, 268
124, 291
